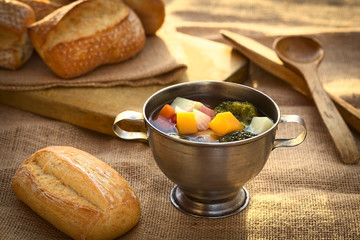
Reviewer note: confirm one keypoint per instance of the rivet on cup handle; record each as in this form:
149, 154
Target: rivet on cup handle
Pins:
133, 117
291, 142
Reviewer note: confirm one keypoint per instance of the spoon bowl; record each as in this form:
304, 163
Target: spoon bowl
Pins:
304, 55
300, 50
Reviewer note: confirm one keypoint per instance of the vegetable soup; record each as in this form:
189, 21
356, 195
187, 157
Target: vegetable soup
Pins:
208, 119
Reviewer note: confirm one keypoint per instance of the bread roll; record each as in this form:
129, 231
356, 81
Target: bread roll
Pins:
77, 193
150, 12
15, 45
44, 7
85, 34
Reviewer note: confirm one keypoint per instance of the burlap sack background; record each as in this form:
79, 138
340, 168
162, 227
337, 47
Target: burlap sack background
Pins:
303, 192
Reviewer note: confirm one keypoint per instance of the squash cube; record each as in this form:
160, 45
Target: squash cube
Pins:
224, 123
186, 123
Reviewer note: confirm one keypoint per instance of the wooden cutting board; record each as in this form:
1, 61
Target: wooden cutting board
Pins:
96, 108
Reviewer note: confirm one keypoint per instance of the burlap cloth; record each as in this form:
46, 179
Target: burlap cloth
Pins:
160, 61
303, 192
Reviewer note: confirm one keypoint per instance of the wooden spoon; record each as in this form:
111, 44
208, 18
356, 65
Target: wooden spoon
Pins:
304, 55
267, 59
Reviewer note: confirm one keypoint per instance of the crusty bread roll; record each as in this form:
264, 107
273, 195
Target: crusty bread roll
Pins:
77, 193
85, 34
15, 45
150, 12
44, 7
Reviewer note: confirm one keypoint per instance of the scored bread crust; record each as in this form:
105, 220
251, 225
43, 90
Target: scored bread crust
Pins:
44, 7
76, 192
85, 34
15, 45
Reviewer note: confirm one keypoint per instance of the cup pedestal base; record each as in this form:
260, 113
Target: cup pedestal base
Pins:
211, 209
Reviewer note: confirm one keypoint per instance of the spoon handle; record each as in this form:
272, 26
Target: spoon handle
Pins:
267, 59
340, 133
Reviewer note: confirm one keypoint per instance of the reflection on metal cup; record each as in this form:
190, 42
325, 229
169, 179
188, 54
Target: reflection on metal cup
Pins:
210, 177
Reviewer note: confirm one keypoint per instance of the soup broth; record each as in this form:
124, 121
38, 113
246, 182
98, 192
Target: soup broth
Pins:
170, 125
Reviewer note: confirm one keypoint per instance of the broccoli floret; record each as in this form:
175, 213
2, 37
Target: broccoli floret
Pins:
243, 111
236, 136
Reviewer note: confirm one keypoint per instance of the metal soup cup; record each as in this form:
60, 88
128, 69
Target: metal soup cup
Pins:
209, 177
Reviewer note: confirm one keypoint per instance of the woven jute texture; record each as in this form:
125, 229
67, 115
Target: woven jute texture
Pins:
159, 62
304, 192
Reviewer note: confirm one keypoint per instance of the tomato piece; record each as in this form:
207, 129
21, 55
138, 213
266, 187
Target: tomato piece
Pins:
174, 118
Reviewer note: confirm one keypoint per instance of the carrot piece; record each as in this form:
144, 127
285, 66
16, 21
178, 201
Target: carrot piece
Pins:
167, 111
224, 123
186, 123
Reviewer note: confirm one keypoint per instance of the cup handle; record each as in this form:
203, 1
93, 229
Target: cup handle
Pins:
134, 124
291, 142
